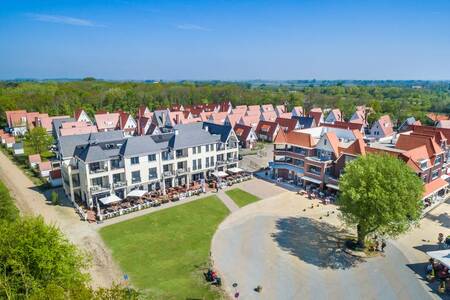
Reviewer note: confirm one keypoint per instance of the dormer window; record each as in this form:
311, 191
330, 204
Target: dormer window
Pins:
423, 163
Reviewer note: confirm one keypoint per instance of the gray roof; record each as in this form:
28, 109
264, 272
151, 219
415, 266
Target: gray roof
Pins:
104, 145
67, 144
145, 144
190, 135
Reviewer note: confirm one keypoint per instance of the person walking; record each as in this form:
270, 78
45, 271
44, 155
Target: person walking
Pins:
383, 245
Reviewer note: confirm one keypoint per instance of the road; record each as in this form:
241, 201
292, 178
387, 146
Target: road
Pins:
31, 201
293, 254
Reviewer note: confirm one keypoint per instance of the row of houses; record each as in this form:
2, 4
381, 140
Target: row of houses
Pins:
106, 163
317, 156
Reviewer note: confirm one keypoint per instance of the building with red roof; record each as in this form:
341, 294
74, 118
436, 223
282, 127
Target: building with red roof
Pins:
246, 136
267, 131
382, 128
287, 125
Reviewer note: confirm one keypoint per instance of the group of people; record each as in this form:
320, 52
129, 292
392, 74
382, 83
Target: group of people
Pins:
379, 244
436, 270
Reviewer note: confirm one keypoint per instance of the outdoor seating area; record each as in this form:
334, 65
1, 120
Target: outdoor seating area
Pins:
112, 206
221, 179
437, 269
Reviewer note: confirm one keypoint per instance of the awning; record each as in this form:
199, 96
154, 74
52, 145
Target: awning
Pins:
110, 199
136, 193
442, 255
219, 174
310, 179
333, 186
235, 170
434, 186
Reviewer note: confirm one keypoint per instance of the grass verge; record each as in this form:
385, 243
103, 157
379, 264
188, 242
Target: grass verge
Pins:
241, 198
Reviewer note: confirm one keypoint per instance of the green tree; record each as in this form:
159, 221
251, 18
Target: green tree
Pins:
34, 256
38, 139
379, 194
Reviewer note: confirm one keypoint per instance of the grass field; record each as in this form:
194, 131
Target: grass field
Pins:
241, 198
165, 253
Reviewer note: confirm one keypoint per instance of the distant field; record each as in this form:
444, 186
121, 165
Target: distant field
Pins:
242, 198
166, 252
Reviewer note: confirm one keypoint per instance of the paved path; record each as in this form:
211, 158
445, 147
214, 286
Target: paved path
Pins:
227, 201
31, 202
293, 254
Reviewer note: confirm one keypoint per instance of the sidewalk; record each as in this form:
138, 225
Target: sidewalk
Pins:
227, 201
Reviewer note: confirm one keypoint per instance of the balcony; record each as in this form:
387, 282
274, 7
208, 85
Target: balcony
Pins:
319, 159
221, 162
167, 156
119, 184
183, 171
331, 179
232, 160
95, 189
169, 173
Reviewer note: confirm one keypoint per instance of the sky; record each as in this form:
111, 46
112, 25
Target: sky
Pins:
225, 40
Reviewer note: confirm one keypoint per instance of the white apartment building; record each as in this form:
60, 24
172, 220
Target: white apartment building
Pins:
100, 164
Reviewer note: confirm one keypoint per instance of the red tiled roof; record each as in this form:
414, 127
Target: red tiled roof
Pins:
358, 147
434, 186
296, 138
409, 142
45, 166
345, 125
432, 130
287, 124
435, 117
242, 131
334, 141
34, 158
266, 128
316, 115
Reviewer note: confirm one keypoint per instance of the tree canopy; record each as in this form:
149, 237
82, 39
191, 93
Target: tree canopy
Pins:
38, 140
379, 194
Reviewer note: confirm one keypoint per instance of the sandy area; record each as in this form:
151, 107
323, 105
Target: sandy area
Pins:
31, 201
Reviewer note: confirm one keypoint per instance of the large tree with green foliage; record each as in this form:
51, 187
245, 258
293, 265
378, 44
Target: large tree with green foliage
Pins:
38, 262
379, 194
39, 140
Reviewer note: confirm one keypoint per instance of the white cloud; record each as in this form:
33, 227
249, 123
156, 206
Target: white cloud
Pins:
192, 27
63, 20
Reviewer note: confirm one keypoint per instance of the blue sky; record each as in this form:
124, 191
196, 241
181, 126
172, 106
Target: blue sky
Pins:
227, 40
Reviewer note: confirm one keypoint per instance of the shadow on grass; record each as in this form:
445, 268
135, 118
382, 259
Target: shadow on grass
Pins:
313, 242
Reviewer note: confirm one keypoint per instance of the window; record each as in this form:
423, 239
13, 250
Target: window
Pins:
211, 147
437, 160
194, 164
325, 142
435, 174
199, 163
194, 150
199, 149
212, 161
135, 177
134, 160
207, 162
207, 148
180, 165
152, 157
152, 173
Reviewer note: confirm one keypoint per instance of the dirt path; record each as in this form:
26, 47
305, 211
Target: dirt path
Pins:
30, 201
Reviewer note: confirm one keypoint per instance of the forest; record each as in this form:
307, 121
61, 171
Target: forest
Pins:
64, 97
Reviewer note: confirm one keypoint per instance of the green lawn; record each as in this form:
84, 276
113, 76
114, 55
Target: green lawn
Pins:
241, 198
164, 253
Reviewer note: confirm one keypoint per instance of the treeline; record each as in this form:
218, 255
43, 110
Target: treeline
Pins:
59, 98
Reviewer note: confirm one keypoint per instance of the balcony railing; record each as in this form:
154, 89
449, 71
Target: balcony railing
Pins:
319, 158
119, 184
168, 173
182, 171
221, 162
331, 179
167, 156
98, 170
99, 188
